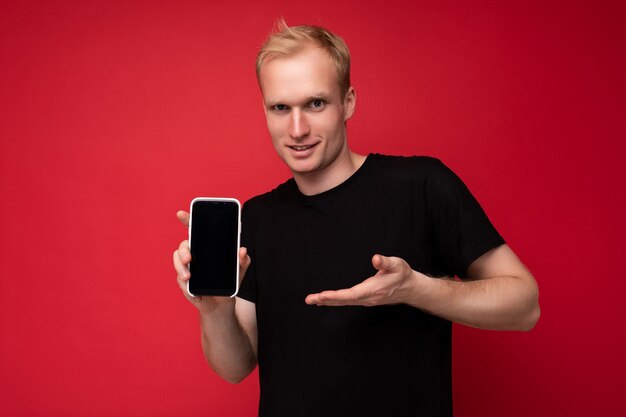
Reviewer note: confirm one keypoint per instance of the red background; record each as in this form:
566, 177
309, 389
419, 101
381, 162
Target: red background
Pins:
113, 115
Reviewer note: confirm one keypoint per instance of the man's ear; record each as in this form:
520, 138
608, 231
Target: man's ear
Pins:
349, 104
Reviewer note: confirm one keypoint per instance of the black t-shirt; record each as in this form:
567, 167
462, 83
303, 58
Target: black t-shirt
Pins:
358, 361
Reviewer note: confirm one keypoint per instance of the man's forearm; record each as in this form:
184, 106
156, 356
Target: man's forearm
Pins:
226, 345
501, 294
497, 303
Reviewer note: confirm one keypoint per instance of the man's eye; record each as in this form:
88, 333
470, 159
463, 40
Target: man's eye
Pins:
280, 107
317, 104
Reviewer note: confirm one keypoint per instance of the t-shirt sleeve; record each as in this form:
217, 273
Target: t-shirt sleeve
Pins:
461, 229
247, 289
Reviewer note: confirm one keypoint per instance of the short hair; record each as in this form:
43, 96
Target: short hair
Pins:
285, 41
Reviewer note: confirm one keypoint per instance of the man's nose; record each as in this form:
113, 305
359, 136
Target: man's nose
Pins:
298, 124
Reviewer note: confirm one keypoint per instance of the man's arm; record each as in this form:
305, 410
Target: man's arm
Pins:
500, 293
229, 340
228, 325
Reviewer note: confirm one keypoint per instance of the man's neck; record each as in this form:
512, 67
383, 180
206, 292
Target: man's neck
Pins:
336, 173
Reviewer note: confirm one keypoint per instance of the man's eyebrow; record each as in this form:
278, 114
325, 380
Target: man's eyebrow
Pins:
272, 103
320, 96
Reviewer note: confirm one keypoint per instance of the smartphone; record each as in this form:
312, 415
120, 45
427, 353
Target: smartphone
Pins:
214, 230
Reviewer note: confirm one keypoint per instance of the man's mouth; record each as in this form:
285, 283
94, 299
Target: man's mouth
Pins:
300, 148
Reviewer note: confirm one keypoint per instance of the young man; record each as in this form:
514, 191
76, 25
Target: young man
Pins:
340, 306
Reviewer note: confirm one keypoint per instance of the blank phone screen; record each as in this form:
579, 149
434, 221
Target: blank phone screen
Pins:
214, 247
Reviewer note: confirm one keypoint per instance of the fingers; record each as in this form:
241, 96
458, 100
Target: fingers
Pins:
183, 216
182, 257
183, 286
197, 300
360, 294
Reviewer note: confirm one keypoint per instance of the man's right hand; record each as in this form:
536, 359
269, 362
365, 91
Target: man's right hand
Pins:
182, 257
228, 324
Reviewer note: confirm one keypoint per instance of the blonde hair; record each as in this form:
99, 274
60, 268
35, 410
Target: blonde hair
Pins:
285, 41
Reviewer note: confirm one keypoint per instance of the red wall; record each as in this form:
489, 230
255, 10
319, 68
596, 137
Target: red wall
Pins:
113, 115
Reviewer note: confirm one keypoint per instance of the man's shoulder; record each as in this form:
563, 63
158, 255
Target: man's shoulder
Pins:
280, 192
396, 166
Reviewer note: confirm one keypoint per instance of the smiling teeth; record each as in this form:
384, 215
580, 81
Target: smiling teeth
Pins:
301, 148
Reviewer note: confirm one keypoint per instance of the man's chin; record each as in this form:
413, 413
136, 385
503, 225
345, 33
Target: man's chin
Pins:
303, 167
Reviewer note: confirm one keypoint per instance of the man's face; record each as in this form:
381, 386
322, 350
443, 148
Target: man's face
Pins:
305, 110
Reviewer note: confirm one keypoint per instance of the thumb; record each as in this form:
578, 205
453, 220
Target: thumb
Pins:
386, 263
244, 261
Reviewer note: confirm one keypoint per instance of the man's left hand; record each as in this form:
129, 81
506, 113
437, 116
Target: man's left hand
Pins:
392, 284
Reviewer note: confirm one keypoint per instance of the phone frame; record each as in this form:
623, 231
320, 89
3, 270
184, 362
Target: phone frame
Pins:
223, 200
